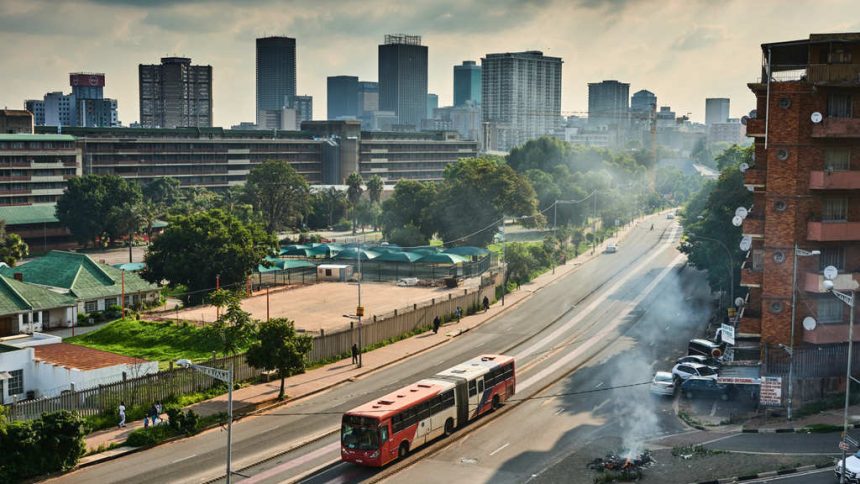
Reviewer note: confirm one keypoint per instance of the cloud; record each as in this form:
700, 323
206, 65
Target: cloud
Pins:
698, 38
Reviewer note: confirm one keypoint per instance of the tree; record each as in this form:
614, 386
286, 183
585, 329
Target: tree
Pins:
279, 192
374, 188
279, 347
411, 204
234, 327
86, 206
12, 246
353, 193
367, 213
163, 193
51, 443
476, 194
327, 208
196, 248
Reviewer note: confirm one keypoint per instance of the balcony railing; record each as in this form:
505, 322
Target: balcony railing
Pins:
833, 231
834, 73
834, 180
814, 282
837, 128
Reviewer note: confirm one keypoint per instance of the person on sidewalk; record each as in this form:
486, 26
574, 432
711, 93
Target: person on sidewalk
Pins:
158, 410
121, 414
153, 414
436, 323
458, 313
486, 304
354, 354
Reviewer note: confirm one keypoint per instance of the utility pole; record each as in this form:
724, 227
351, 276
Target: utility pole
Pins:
505, 259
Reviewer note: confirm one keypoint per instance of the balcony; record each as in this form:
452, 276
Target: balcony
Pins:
755, 127
814, 282
754, 227
830, 333
755, 178
838, 74
836, 180
750, 278
832, 231
837, 128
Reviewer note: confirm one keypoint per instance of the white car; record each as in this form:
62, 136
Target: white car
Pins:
611, 248
852, 468
701, 359
682, 371
663, 384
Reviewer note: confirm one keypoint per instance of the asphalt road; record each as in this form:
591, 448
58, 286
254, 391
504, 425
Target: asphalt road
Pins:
561, 320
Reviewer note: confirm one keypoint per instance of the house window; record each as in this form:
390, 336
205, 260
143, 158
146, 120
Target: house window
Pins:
837, 159
91, 306
16, 382
110, 302
830, 310
832, 256
839, 56
839, 105
835, 210
757, 260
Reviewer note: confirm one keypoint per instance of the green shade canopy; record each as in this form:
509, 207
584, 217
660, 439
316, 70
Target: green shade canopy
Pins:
286, 249
276, 264
326, 250
467, 251
442, 259
130, 266
407, 257
298, 251
353, 253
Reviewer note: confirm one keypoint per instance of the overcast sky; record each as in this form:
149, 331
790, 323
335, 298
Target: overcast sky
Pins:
682, 50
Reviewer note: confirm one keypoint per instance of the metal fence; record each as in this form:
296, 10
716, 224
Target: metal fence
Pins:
821, 361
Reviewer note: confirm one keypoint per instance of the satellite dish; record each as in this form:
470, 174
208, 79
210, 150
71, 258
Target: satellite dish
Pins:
830, 273
741, 212
750, 188
746, 242
737, 221
744, 167
753, 114
816, 117
745, 120
739, 301
809, 323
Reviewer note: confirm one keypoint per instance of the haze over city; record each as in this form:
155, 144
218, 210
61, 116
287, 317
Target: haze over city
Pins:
683, 51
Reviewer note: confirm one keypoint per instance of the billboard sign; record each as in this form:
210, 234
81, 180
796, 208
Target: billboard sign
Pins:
87, 80
771, 391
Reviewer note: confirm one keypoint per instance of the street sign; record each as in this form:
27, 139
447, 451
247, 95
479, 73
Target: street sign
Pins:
771, 391
727, 332
850, 440
844, 446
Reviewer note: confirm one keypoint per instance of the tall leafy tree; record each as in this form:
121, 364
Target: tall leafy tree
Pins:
279, 347
409, 212
196, 248
163, 194
375, 184
12, 246
354, 190
279, 192
327, 208
87, 204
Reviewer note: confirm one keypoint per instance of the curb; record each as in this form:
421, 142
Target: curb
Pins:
764, 475
791, 430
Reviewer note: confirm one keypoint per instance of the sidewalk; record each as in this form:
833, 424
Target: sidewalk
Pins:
256, 397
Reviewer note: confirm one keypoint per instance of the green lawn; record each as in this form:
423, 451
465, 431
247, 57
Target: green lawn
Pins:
151, 340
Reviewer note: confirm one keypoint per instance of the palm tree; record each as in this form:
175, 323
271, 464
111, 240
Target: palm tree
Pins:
354, 190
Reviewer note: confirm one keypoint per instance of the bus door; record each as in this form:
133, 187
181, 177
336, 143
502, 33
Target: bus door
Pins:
479, 395
462, 396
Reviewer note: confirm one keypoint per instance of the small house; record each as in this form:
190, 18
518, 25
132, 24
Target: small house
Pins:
334, 272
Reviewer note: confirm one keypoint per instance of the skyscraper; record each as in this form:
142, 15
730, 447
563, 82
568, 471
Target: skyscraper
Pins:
716, 110
608, 102
467, 83
304, 106
276, 73
342, 97
368, 97
643, 101
175, 94
403, 78
521, 97
432, 104
92, 109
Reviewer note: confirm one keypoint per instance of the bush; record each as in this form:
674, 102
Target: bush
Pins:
342, 226
54, 442
183, 422
113, 311
149, 436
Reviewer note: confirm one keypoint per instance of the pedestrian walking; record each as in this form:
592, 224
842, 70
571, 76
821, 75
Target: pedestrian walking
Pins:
354, 354
153, 414
121, 414
145, 422
486, 304
158, 411
459, 313
436, 323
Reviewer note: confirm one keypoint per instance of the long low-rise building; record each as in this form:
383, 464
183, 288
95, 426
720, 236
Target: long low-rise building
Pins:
34, 168
325, 152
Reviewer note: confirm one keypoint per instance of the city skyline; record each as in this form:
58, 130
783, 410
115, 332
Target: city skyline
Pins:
597, 41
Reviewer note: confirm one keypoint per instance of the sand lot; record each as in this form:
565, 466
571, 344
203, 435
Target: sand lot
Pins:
322, 306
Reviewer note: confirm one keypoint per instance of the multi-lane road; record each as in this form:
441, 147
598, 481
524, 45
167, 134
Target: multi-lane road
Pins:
585, 346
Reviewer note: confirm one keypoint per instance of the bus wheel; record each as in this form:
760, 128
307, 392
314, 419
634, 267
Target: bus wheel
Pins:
403, 451
496, 402
449, 427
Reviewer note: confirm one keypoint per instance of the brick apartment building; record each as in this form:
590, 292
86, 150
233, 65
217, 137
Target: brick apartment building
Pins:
805, 180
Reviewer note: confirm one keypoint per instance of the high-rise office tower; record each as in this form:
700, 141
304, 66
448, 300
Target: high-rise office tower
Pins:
276, 73
608, 102
92, 109
304, 106
175, 94
432, 104
520, 97
37, 107
368, 97
643, 101
342, 97
716, 110
403, 78
467, 83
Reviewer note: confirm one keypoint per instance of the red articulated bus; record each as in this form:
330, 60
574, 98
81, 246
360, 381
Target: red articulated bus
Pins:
386, 429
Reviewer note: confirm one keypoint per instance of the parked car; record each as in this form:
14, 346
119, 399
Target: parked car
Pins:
611, 248
663, 384
705, 347
695, 387
701, 359
683, 371
670, 216
852, 468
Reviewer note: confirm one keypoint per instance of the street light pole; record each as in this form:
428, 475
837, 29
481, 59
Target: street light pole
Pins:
359, 311
849, 300
802, 253
505, 259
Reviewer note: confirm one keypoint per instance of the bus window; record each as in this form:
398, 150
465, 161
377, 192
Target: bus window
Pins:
480, 386
383, 434
472, 389
356, 435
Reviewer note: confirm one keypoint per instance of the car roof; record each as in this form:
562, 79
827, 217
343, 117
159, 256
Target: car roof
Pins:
665, 374
695, 365
703, 342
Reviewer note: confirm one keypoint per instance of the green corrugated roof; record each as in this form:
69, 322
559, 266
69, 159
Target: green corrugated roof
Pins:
36, 137
16, 296
29, 214
78, 273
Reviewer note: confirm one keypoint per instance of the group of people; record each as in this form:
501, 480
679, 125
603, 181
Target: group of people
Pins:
153, 416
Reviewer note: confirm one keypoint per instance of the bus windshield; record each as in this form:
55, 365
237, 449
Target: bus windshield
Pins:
359, 433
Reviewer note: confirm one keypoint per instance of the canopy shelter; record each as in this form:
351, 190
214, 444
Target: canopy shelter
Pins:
402, 257
467, 251
326, 250
292, 248
354, 253
284, 271
442, 258
298, 252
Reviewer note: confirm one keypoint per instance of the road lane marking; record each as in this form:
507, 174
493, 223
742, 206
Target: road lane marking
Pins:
599, 406
603, 333
184, 458
499, 449
593, 306
303, 459
713, 409
599, 385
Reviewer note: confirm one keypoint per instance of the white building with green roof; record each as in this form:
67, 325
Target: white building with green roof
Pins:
28, 308
94, 286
